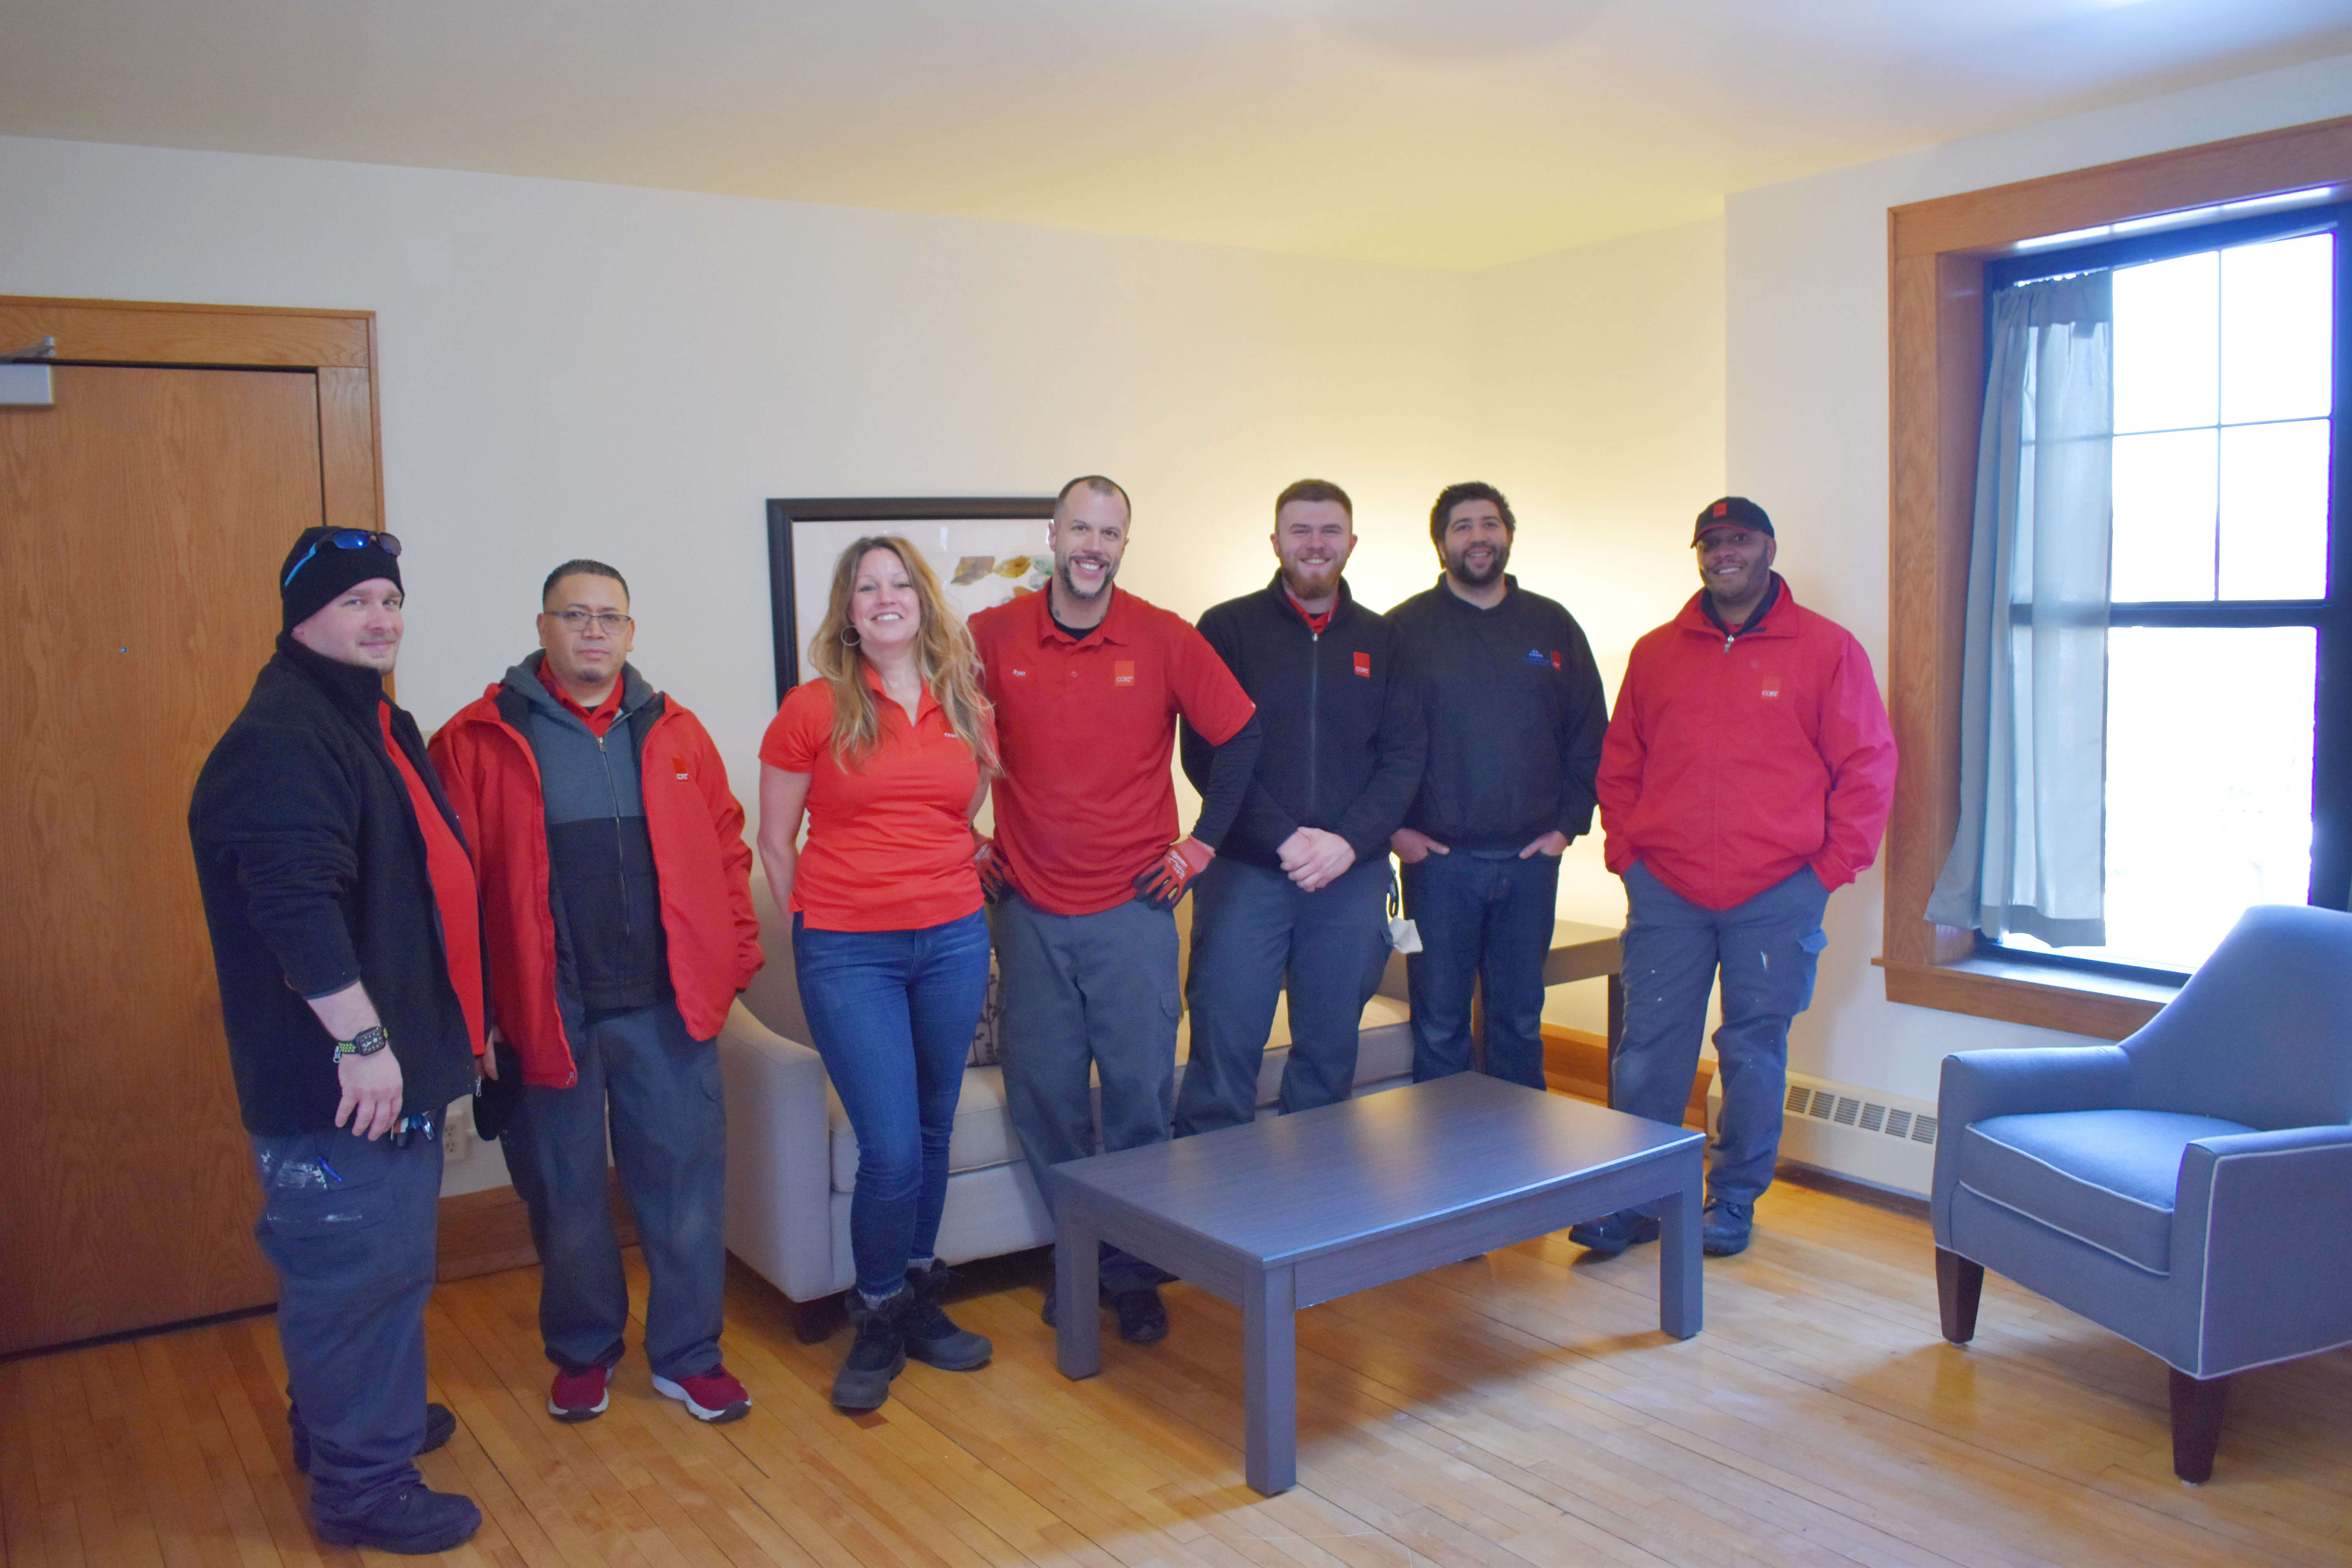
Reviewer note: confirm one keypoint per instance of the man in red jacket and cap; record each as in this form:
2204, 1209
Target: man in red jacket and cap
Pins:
1747, 773
617, 896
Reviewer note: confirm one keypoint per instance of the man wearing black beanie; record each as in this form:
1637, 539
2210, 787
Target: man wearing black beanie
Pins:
347, 936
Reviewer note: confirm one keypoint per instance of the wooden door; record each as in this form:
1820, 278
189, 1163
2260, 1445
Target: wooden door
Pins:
142, 523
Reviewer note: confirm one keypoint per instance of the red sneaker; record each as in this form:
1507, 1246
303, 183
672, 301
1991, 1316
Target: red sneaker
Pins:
713, 1396
580, 1394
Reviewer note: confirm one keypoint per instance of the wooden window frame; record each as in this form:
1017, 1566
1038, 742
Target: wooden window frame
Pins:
1936, 255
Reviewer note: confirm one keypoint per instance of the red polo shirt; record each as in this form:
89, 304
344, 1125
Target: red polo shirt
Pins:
1087, 728
889, 841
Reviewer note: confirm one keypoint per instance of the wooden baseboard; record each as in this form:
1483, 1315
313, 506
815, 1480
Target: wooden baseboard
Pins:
1577, 1063
484, 1232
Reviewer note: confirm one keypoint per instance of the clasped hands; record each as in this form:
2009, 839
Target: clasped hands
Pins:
1314, 858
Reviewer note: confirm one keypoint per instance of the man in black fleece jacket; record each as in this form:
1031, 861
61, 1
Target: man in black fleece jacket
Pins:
1299, 890
347, 937
1516, 716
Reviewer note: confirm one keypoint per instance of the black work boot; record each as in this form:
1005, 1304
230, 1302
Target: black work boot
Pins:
932, 1336
879, 1353
416, 1522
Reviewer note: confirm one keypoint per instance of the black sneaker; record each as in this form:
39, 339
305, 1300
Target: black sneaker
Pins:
931, 1335
1613, 1232
879, 1352
440, 1425
1141, 1317
415, 1522
1724, 1230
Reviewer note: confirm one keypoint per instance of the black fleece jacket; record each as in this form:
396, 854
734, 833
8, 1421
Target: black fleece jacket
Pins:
1516, 714
1344, 739
312, 866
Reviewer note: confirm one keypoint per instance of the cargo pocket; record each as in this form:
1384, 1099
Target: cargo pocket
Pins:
318, 1187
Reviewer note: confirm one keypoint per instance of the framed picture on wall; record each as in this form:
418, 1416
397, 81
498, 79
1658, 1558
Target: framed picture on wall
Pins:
985, 550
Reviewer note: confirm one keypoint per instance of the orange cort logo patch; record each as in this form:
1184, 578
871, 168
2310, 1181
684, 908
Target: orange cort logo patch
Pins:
1364, 664
1123, 672
1771, 686
677, 766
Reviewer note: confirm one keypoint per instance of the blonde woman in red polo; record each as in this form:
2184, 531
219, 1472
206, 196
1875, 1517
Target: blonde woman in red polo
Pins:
887, 754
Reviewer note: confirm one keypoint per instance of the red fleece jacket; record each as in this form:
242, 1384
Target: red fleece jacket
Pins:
1731, 763
703, 865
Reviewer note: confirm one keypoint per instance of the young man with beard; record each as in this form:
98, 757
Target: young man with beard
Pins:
347, 936
1747, 774
1515, 713
1087, 863
1300, 893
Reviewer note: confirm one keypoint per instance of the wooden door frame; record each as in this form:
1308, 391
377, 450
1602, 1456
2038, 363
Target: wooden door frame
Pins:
337, 346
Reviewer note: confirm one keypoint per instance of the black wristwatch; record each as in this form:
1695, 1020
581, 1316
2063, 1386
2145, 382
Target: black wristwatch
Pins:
366, 1043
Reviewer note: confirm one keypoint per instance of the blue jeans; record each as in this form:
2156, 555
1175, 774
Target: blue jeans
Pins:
1482, 919
1088, 994
1253, 932
1766, 948
656, 1087
350, 1226
893, 1014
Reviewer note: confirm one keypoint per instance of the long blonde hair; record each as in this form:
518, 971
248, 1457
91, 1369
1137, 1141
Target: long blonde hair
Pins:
948, 662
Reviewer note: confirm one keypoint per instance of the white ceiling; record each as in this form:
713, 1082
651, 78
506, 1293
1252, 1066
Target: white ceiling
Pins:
1458, 134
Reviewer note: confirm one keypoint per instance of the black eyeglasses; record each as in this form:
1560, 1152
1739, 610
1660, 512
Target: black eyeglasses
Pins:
345, 539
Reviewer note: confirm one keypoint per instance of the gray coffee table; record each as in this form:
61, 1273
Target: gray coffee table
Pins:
1285, 1213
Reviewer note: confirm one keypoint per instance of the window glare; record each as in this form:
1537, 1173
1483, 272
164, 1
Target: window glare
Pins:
2274, 511
2220, 721
2278, 329
2164, 502
2168, 343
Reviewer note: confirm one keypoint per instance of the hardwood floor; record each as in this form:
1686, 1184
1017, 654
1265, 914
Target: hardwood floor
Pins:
1518, 1410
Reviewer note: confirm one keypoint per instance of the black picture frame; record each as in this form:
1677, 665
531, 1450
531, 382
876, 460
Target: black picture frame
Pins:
784, 568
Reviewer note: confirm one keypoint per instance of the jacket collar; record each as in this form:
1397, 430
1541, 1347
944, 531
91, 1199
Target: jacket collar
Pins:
1776, 618
354, 688
1280, 597
523, 677
1447, 595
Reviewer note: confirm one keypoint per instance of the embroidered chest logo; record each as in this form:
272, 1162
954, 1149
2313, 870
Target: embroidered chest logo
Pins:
1555, 658
1364, 664
1535, 656
1771, 686
677, 766
1123, 672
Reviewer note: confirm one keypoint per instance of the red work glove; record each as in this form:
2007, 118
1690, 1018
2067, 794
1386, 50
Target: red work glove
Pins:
1161, 884
994, 884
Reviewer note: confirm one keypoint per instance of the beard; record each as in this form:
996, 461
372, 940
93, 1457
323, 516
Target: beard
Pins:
1070, 586
1490, 574
1311, 581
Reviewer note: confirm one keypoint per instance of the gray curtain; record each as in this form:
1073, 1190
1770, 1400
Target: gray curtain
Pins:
2031, 851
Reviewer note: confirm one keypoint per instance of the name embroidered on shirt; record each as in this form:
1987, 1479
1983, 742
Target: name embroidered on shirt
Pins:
1123, 672
1364, 664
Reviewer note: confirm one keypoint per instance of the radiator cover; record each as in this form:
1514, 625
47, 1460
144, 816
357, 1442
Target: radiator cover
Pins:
1861, 1133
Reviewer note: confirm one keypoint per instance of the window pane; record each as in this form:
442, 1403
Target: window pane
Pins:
2168, 344
2274, 511
2164, 508
2209, 784
2278, 329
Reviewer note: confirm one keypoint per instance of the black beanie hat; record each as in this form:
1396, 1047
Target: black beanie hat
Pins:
318, 570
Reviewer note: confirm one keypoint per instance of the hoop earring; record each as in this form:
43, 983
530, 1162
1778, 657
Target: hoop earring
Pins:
849, 636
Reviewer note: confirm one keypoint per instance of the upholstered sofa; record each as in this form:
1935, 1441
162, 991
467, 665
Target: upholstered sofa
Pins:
792, 1159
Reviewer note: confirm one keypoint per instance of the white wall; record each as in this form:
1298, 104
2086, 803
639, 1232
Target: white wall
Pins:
1807, 436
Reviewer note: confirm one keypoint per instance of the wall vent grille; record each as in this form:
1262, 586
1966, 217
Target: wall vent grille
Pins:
1853, 1131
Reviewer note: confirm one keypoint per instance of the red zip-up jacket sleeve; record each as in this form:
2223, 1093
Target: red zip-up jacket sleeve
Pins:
1858, 745
1619, 782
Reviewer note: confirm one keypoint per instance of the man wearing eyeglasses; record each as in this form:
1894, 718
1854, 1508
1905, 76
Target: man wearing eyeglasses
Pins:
347, 937
616, 894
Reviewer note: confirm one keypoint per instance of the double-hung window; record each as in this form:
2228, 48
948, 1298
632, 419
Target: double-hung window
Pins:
2227, 728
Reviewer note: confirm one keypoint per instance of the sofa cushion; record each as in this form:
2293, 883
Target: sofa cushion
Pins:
983, 1134
2107, 1178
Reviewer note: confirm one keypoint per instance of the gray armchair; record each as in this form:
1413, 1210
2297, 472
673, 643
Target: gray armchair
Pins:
2189, 1188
